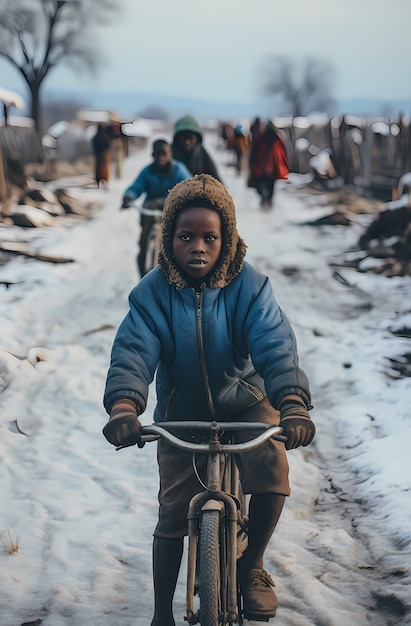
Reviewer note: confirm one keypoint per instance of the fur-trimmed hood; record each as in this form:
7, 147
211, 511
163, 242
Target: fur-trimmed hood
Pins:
205, 189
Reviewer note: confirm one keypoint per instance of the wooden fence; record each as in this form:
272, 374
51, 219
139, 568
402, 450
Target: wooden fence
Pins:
369, 154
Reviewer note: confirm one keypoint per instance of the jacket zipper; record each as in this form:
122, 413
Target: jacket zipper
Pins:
169, 401
202, 355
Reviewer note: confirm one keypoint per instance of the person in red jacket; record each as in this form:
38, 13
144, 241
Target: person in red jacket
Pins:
268, 161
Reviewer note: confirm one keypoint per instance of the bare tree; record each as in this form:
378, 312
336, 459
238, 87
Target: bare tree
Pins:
38, 35
302, 87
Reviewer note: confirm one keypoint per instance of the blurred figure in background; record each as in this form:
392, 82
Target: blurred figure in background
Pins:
268, 160
101, 144
256, 127
117, 148
188, 147
240, 144
155, 180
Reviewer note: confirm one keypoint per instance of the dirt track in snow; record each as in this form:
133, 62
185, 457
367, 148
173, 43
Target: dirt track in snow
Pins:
331, 559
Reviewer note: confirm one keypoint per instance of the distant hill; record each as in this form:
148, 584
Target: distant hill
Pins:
129, 105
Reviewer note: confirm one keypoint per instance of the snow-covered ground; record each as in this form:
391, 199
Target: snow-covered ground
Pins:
84, 514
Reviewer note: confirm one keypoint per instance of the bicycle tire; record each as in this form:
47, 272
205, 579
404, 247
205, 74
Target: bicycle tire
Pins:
151, 248
210, 585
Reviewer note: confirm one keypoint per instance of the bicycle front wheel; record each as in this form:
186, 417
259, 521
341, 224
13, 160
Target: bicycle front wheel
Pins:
210, 583
150, 259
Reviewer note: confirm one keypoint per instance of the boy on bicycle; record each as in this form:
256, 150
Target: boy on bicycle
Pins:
154, 180
207, 323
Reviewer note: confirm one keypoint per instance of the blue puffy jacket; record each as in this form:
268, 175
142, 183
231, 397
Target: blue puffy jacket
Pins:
156, 183
214, 352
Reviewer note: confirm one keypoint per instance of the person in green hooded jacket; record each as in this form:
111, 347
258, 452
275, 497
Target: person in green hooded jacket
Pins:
188, 147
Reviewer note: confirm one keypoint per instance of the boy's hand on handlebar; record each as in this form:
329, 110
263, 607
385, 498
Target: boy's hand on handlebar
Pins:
126, 202
155, 204
123, 428
296, 422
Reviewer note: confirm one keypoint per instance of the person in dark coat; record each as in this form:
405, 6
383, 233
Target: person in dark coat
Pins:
101, 143
207, 325
188, 148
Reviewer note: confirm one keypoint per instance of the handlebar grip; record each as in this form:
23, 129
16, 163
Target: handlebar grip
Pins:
144, 439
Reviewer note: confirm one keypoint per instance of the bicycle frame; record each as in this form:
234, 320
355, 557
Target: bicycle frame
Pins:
222, 493
153, 209
153, 242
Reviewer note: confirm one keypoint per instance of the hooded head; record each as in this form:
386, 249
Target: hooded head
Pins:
271, 129
188, 123
203, 190
238, 130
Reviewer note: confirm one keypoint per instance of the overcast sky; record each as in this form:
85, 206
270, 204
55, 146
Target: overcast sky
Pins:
215, 49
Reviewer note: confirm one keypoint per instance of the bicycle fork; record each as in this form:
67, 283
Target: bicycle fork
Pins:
225, 505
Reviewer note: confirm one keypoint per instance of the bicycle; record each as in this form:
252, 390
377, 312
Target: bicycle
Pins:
154, 209
150, 238
217, 517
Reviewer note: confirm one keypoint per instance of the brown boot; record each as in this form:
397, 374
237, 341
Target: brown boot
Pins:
260, 601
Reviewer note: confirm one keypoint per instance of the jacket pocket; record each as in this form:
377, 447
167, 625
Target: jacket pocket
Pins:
257, 393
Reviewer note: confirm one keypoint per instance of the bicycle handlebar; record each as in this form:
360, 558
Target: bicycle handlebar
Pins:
161, 429
152, 208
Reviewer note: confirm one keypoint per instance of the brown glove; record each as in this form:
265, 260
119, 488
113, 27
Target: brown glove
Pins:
123, 427
296, 422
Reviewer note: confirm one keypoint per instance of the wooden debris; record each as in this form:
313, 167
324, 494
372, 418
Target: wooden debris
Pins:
99, 329
38, 195
70, 205
9, 283
27, 216
17, 248
341, 279
402, 365
15, 428
334, 219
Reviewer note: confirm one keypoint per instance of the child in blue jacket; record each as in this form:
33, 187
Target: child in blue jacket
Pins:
154, 180
208, 325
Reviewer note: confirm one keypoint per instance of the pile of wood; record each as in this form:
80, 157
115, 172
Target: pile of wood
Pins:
385, 245
37, 207
388, 238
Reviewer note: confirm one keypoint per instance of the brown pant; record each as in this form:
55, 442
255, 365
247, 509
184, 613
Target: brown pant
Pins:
263, 470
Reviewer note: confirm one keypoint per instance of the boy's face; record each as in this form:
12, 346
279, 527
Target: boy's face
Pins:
187, 140
162, 156
197, 241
